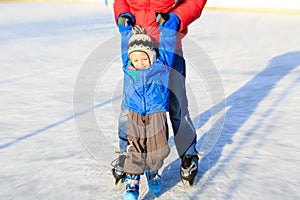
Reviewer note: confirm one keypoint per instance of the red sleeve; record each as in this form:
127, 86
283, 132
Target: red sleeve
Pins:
188, 11
120, 6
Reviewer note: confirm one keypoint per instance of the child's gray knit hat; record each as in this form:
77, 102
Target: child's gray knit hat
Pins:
140, 41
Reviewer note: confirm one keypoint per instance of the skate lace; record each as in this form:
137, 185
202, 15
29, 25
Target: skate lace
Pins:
155, 180
132, 183
187, 161
189, 166
154, 177
115, 162
118, 161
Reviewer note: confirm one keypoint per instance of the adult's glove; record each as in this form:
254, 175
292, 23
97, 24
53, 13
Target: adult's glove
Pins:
169, 21
125, 22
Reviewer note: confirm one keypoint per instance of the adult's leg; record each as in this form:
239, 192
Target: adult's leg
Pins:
183, 128
122, 130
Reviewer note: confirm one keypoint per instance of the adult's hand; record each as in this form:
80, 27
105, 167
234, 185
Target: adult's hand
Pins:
125, 22
169, 21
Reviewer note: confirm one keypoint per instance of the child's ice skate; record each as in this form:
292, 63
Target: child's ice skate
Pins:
117, 169
132, 187
154, 182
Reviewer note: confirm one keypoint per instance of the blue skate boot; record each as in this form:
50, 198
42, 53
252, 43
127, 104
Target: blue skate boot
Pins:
154, 182
132, 187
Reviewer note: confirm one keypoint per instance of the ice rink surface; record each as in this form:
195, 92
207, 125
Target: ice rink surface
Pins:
53, 145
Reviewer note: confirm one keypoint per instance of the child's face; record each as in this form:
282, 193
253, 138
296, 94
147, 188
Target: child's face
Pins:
139, 60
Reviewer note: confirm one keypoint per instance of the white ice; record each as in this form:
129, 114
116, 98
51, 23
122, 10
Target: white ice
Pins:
58, 135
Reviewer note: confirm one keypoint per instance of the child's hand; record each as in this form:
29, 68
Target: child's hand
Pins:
125, 22
169, 21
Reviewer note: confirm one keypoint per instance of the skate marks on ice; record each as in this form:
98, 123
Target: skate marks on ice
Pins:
241, 104
55, 124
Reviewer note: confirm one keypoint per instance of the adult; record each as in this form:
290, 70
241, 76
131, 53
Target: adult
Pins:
148, 14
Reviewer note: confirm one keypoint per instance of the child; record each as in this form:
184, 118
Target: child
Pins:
146, 97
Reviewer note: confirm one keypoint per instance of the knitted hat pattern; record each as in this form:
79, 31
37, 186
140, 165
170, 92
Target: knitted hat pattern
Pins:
140, 41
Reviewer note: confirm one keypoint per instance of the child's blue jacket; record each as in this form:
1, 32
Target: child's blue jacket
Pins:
147, 91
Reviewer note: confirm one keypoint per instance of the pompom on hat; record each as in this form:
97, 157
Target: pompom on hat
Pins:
140, 41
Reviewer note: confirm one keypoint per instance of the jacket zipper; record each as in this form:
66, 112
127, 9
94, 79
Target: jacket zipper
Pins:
144, 92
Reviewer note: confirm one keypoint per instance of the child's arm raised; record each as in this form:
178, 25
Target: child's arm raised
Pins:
125, 36
168, 38
125, 26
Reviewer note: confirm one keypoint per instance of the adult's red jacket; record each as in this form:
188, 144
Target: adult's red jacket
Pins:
144, 12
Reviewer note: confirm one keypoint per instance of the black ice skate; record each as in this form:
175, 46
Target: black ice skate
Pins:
189, 168
117, 170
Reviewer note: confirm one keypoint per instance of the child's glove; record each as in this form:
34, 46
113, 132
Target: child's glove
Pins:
169, 21
125, 22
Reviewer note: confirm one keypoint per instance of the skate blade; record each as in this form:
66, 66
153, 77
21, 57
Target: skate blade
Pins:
130, 195
191, 182
187, 182
200, 155
155, 195
118, 177
119, 181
